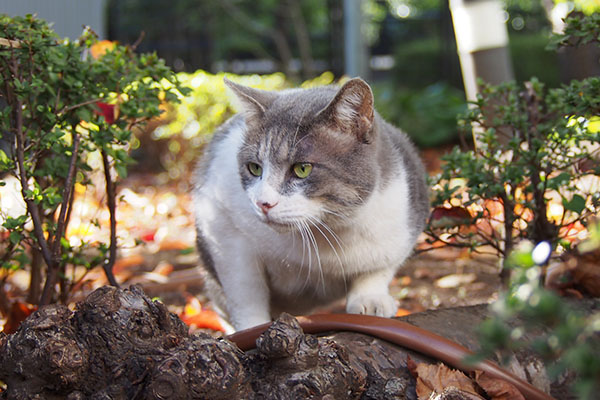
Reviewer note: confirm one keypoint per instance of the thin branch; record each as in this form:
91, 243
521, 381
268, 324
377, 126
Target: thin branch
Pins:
31, 205
110, 201
53, 268
68, 193
75, 106
138, 41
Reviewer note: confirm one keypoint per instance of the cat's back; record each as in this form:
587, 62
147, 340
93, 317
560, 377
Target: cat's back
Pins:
397, 146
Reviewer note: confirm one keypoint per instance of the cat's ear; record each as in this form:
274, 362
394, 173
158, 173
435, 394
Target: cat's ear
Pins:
351, 110
254, 102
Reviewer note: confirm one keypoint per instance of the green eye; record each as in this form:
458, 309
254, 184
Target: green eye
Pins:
255, 169
302, 170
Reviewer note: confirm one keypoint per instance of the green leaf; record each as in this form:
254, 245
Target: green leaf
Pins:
576, 204
15, 237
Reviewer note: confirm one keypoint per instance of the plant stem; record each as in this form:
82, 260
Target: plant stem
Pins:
110, 200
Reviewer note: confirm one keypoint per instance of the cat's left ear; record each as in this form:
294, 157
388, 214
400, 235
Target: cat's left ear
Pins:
351, 110
254, 102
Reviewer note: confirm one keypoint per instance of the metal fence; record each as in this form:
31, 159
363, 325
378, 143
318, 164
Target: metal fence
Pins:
67, 16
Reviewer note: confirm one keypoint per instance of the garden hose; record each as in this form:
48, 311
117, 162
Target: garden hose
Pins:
402, 334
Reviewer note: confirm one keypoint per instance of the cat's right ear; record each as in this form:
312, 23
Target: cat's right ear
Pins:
253, 102
351, 110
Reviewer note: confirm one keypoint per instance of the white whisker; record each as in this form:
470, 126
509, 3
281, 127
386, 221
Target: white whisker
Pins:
316, 222
311, 236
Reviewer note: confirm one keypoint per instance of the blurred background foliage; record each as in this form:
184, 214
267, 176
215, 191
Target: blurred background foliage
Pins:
414, 64
185, 127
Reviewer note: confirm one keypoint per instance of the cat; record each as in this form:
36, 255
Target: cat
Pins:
305, 197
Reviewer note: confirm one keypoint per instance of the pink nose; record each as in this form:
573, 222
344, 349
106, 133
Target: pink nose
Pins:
264, 206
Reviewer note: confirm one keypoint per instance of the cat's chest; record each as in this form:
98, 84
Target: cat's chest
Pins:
378, 238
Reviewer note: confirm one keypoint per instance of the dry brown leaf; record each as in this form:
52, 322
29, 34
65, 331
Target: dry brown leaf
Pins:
453, 393
579, 273
434, 379
128, 262
497, 389
587, 272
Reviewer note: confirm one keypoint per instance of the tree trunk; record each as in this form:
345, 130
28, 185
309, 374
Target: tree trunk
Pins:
120, 344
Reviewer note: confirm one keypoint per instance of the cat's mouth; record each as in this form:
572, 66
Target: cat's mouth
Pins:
277, 224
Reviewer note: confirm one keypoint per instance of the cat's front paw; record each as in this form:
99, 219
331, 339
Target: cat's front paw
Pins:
381, 305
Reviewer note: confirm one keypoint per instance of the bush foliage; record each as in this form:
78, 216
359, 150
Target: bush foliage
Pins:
537, 152
66, 104
534, 173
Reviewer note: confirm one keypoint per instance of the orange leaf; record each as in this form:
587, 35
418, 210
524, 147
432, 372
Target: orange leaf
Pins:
194, 314
497, 389
18, 313
100, 48
174, 245
403, 312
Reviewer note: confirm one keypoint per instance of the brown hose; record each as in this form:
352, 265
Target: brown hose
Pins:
402, 334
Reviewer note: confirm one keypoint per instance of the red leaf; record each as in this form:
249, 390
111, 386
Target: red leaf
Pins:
148, 237
18, 313
108, 111
444, 217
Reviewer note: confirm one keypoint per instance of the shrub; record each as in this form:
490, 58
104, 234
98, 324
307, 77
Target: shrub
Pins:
534, 173
66, 101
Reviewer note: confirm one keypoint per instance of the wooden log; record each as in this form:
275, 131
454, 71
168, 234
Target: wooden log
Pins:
120, 344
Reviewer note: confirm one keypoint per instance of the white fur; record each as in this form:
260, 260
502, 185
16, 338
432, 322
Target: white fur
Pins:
358, 261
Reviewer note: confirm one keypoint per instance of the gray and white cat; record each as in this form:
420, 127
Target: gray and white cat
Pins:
305, 197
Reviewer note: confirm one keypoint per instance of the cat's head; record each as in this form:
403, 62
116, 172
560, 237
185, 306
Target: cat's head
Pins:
308, 154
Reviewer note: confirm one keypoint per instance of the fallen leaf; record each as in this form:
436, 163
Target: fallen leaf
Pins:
403, 312
587, 272
128, 262
18, 313
148, 236
194, 314
173, 245
404, 281
578, 273
163, 268
453, 393
433, 379
497, 389
455, 280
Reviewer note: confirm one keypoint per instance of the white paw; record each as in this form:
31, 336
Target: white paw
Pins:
381, 305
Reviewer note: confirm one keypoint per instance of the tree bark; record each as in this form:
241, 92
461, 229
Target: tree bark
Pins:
120, 344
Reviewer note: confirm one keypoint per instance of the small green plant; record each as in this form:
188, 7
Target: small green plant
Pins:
570, 341
534, 173
67, 101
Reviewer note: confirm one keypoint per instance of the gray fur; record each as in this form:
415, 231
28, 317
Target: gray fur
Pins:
354, 154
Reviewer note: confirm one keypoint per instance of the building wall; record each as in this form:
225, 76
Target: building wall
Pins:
67, 16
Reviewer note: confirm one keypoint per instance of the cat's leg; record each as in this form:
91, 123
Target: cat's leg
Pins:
369, 294
242, 277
